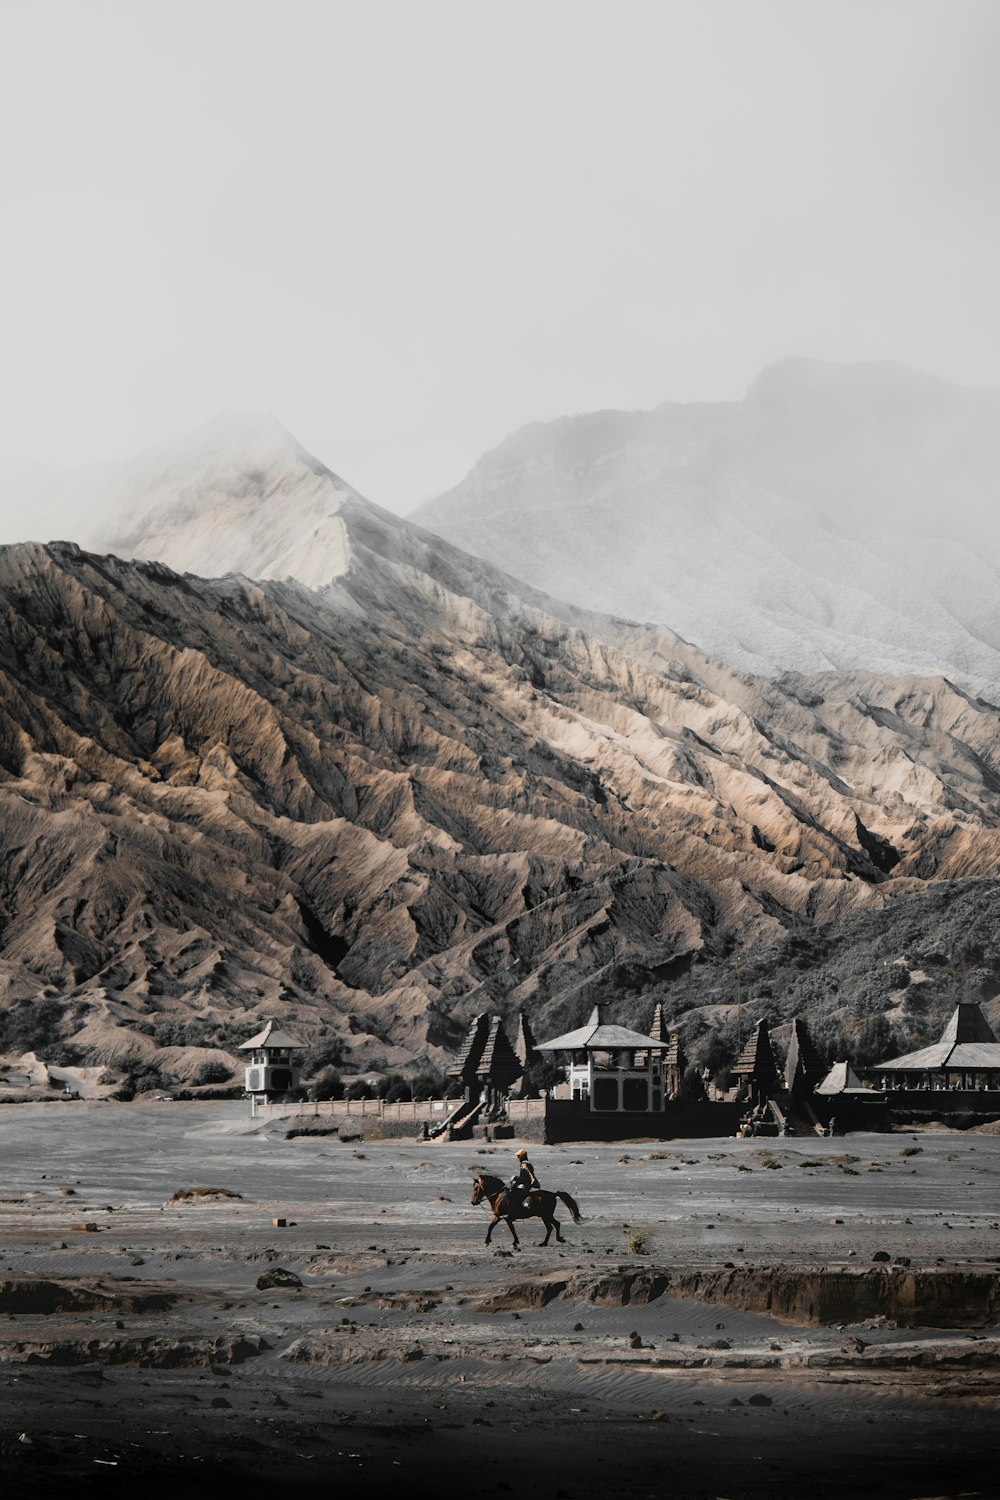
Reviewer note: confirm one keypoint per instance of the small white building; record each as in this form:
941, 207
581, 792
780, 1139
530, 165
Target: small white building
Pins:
271, 1068
611, 1069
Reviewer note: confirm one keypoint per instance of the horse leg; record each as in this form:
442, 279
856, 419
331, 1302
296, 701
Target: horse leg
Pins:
548, 1229
513, 1234
490, 1227
559, 1236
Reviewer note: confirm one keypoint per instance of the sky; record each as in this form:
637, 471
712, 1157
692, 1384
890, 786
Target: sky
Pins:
408, 228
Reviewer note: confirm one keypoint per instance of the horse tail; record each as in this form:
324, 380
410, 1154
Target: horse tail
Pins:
571, 1205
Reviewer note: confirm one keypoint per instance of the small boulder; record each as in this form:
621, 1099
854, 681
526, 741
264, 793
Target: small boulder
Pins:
277, 1277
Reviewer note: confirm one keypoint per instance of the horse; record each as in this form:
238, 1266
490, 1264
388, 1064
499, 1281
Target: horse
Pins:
541, 1205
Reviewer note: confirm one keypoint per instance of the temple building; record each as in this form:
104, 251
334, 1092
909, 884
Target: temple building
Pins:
673, 1060
804, 1068
271, 1068
967, 1058
487, 1065
756, 1068
612, 1069
526, 1053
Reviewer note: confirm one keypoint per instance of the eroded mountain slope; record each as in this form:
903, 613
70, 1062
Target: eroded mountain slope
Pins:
420, 794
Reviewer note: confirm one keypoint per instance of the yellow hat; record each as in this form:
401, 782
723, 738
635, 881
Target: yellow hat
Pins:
522, 1152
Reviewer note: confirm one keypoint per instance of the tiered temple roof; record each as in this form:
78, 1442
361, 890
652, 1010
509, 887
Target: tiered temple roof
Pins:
803, 1065
524, 1042
486, 1054
658, 1027
467, 1063
498, 1063
674, 1055
757, 1058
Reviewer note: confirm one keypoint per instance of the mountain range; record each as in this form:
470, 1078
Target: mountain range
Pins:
279, 752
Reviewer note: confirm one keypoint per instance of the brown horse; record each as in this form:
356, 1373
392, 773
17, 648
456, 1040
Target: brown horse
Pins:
541, 1205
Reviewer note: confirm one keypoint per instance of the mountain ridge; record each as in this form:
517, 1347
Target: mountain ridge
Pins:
381, 807
420, 788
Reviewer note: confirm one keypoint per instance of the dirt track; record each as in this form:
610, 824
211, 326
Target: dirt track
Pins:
144, 1346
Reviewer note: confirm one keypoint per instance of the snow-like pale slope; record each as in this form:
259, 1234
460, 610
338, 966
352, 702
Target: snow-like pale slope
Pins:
238, 496
840, 516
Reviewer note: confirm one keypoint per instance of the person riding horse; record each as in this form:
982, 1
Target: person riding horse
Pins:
523, 1183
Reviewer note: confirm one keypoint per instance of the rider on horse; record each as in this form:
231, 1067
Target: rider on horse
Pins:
523, 1183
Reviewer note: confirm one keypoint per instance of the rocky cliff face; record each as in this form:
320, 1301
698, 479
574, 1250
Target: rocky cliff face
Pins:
417, 789
838, 518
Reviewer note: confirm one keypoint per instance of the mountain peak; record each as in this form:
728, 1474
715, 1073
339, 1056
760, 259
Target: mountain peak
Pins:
242, 437
240, 494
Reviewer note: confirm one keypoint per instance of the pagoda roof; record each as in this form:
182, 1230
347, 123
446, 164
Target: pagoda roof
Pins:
272, 1036
803, 1062
757, 1058
841, 1079
658, 1027
966, 1042
675, 1052
524, 1042
598, 1036
472, 1048
944, 1055
498, 1061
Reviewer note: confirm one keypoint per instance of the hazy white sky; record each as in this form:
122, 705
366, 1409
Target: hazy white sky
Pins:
407, 228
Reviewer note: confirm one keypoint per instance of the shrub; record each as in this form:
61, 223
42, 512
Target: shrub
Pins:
141, 1080
183, 1195
640, 1240
33, 1026
359, 1089
213, 1071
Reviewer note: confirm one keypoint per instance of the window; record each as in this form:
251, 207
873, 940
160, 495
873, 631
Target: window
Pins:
605, 1093
635, 1094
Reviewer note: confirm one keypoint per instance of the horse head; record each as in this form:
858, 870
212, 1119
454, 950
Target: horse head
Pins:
477, 1190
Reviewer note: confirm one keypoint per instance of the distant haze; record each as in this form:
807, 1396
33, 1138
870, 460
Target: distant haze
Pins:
840, 516
409, 229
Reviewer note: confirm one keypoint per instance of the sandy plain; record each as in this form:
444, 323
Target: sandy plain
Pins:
403, 1355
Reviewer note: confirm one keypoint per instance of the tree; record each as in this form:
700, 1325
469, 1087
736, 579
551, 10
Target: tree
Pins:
692, 1086
429, 1085
329, 1085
